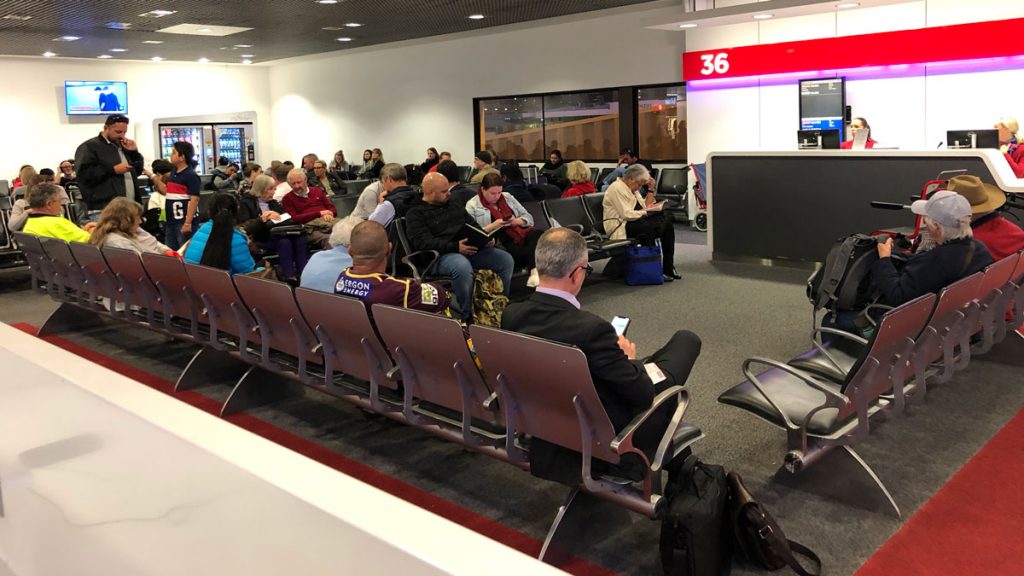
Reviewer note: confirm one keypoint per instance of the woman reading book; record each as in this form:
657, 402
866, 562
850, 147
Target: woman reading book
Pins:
500, 214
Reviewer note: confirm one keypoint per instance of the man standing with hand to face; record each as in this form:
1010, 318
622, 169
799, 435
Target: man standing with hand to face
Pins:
107, 165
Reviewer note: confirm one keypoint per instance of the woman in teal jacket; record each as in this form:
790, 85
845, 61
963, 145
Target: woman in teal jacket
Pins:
218, 243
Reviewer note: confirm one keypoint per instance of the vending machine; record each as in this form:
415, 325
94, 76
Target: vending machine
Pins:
235, 141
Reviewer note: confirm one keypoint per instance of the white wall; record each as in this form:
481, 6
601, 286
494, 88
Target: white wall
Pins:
38, 132
912, 112
406, 97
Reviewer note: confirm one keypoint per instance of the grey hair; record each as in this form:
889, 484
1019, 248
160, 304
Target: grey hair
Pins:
559, 251
395, 171
260, 184
963, 230
341, 233
636, 173
42, 194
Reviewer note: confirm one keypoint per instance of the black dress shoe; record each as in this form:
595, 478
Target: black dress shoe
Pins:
668, 278
675, 275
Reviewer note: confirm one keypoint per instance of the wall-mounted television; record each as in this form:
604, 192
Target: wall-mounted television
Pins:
94, 97
823, 104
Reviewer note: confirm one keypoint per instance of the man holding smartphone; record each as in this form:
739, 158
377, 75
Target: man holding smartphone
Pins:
107, 165
623, 381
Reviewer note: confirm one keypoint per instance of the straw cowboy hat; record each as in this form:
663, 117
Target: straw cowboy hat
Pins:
983, 197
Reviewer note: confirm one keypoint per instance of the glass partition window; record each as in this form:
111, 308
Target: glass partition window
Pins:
661, 123
513, 127
583, 125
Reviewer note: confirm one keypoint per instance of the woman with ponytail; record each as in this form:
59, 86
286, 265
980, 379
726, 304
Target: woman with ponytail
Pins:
217, 243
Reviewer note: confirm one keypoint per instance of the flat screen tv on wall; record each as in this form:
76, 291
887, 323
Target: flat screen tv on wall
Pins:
95, 97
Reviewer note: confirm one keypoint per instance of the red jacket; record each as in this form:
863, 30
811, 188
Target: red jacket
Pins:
1015, 156
303, 210
999, 235
579, 189
848, 145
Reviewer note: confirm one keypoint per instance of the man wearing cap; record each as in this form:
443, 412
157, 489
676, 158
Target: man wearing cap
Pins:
107, 165
956, 254
482, 163
998, 234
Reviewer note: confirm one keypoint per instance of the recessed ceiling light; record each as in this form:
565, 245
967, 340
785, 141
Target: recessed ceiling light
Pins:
332, 28
246, 61
344, 39
104, 56
326, 1
203, 60
353, 24
49, 54
158, 13
763, 16
17, 17
119, 25
152, 41
476, 16
688, 25
157, 59
243, 45
247, 55
204, 30
118, 50
846, 5
67, 38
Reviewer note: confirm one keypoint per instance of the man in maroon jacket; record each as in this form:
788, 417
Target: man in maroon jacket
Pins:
305, 203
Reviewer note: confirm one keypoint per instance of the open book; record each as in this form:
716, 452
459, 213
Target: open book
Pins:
283, 217
656, 207
475, 236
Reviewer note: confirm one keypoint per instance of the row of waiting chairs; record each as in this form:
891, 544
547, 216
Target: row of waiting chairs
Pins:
409, 366
827, 396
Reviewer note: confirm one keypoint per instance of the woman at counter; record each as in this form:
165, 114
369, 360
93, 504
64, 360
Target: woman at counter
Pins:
857, 125
1010, 145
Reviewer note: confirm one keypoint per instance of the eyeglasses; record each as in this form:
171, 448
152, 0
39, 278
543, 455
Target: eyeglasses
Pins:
587, 270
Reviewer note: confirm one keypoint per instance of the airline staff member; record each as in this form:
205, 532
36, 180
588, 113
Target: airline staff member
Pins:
857, 125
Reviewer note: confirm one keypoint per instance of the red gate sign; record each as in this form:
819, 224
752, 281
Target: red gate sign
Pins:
1000, 38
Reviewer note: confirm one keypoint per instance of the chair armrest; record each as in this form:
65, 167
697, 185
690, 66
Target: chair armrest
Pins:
577, 227
623, 442
832, 399
875, 306
419, 271
837, 332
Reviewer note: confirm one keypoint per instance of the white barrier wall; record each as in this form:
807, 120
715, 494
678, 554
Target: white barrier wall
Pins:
911, 112
37, 131
101, 475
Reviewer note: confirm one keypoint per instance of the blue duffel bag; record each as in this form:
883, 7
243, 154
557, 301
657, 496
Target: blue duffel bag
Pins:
643, 265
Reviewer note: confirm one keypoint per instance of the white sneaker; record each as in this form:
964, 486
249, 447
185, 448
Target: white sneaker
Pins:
533, 280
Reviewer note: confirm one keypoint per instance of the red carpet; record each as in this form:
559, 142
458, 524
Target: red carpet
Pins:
972, 525
467, 518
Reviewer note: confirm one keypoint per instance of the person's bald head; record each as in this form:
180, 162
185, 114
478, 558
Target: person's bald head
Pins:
435, 188
369, 244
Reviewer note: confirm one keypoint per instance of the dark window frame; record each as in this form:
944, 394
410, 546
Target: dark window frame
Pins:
629, 109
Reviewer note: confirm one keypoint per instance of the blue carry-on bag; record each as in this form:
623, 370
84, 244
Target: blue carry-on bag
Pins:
643, 265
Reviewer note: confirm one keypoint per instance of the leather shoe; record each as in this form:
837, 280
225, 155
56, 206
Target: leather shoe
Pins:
668, 278
674, 274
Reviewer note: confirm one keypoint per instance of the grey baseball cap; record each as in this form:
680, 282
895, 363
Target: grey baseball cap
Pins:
945, 207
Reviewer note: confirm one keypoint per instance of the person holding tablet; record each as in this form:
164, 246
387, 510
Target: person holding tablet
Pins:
856, 126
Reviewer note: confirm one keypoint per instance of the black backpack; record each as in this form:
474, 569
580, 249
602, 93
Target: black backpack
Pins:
696, 535
844, 282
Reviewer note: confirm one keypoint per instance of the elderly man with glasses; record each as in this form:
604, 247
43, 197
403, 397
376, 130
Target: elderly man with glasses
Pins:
625, 384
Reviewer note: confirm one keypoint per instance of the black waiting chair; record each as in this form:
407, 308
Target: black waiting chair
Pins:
345, 204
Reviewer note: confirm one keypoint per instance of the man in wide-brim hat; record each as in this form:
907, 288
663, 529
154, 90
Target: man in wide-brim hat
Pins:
998, 234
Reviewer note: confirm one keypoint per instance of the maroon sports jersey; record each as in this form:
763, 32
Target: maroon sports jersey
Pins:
384, 289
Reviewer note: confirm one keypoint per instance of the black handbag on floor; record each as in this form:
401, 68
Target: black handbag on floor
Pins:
695, 531
759, 535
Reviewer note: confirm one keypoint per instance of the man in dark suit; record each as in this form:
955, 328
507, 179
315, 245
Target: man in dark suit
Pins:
621, 381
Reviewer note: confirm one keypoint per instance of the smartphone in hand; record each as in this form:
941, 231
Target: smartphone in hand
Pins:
621, 324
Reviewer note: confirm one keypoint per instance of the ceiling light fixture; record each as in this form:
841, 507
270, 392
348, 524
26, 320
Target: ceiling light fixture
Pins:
49, 54
353, 24
476, 16
104, 56
157, 59
118, 50
204, 30
67, 38
158, 13
247, 55
847, 5
17, 17
688, 25
243, 45
326, 1
344, 39
152, 41
247, 62
332, 28
203, 60
119, 25
763, 16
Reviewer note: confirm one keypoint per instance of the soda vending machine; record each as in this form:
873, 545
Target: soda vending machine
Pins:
235, 141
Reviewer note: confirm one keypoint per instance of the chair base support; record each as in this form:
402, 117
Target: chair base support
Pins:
69, 317
826, 480
209, 365
259, 387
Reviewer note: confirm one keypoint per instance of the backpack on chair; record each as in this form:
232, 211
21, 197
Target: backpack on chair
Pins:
844, 282
489, 300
